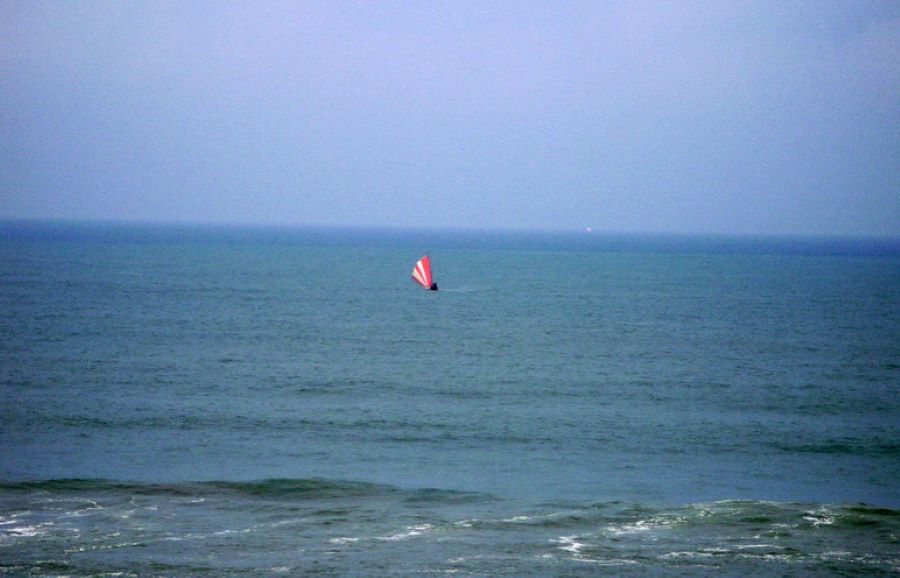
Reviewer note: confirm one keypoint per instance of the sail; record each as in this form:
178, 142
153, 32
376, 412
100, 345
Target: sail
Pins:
421, 273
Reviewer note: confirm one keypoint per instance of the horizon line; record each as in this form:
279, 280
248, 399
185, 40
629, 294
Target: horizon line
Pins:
584, 231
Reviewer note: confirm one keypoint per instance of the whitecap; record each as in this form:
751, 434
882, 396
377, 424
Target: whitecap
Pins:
570, 544
686, 554
25, 531
627, 529
459, 560
102, 547
84, 511
836, 555
642, 526
609, 561
287, 522
820, 517
411, 531
768, 557
343, 540
757, 546
228, 531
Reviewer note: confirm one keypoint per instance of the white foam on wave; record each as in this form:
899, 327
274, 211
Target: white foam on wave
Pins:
687, 554
883, 560
838, 555
756, 546
343, 540
102, 547
770, 557
290, 521
820, 517
19, 514
229, 531
570, 544
744, 551
461, 559
25, 531
411, 532
84, 511
470, 522
644, 526
628, 529
610, 561
407, 533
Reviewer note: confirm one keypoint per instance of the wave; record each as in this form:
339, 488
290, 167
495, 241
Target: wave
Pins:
134, 527
312, 488
281, 488
616, 517
564, 513
849, 447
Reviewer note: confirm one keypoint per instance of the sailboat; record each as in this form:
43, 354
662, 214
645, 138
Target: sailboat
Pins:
421, 274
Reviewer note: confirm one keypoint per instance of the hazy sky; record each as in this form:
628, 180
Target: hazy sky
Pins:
741, 117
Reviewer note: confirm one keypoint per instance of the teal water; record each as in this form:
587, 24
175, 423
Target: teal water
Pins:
209, 401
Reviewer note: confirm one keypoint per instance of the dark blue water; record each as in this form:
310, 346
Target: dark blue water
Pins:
206, 401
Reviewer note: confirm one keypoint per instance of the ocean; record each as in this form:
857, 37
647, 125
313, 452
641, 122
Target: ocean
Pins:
216, 401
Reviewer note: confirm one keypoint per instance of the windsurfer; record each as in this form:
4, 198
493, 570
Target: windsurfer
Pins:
421, 274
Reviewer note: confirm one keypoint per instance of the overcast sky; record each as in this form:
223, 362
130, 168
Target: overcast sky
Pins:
708, 117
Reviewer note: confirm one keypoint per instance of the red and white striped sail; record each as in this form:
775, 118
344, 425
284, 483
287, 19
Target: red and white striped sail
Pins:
421, 273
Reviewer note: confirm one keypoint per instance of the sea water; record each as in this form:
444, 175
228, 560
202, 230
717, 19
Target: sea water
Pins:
224, 401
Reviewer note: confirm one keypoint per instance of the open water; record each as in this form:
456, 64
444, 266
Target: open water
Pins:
200, 401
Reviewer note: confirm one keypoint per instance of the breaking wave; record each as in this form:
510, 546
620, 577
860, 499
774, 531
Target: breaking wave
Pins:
90, 526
